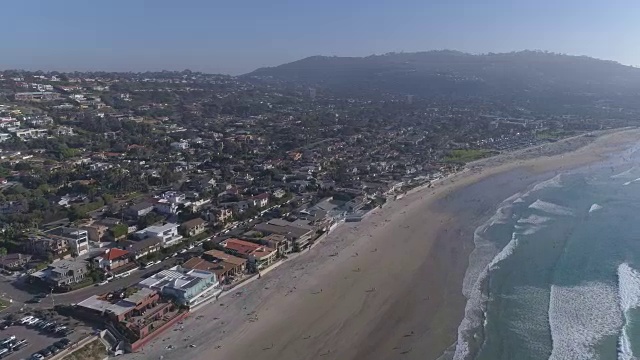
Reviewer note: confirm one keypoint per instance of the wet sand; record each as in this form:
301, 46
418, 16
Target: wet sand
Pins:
388, 287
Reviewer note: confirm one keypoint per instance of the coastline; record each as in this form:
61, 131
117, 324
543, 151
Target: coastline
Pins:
395, 286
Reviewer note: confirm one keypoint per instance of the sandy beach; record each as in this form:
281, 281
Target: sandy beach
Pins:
388, 287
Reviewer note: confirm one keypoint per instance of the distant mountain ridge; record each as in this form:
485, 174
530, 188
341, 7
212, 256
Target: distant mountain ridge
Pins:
458, 74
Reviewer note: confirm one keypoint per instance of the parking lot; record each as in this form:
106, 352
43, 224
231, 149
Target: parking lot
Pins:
38, 339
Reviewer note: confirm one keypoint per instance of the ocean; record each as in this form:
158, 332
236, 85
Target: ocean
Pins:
555, 273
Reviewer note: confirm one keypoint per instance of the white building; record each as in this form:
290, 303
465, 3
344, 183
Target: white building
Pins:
181, 145
187, 287
77, 239
168, 233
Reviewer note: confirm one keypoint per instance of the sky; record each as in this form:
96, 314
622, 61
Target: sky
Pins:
238, 36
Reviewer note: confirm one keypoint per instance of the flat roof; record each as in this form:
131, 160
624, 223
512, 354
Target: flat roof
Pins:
160, 228
97, 304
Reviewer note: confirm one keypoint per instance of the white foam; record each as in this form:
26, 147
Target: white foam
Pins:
623, 174
579, 317
505, 252
532, 230
550, 208
529, 321
631, 182
534, 220
555, 182
629, 294
475, 314
594, 207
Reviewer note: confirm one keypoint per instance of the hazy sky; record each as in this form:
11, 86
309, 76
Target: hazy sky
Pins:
237, 36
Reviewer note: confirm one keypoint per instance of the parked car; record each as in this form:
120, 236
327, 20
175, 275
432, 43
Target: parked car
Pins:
60, 345
4, 352
19, 346
53, 349
45, 352
37, 356
25, 319
8, 340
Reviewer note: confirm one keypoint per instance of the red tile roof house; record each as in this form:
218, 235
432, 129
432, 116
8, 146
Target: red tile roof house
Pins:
112, 259
260, 255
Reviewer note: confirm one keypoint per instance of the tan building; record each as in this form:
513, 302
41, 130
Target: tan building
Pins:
193, 227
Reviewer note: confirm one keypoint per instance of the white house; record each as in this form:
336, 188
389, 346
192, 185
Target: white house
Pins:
181, 145
168, 233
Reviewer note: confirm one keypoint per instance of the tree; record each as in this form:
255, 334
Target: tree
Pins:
119, 231
3, 253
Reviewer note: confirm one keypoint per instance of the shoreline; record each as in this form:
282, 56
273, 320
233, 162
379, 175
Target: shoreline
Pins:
395, 286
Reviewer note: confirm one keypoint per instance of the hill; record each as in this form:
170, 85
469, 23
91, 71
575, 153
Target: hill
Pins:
456, 74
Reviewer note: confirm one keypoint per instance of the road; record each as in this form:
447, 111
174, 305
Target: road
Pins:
21, 292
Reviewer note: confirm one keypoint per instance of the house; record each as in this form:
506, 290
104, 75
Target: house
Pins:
139, 210
181, 145
279, 194
260, 200
144, 247
281, 243
63, 273
96, 232
77, 239
299, 231
42, 245
120, 309
238, 265
219, 215
207, 183
259, 255
15, 261
185, 286
166, 207
193, 227
168, 234
240, 207
224, 271
112, 259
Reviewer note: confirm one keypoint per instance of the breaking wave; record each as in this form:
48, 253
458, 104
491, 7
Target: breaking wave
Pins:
594, 207
534, 220
475, 310
631, 182
550, 208
629, 294
579, 317
555, 182
623, 174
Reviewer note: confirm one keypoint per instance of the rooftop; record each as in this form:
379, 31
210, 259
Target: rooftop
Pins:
193, 223
177, 278
114, 253
217, 254
240, 246
160, 228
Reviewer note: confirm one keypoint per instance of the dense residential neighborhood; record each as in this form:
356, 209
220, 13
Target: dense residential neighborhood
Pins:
178, 186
